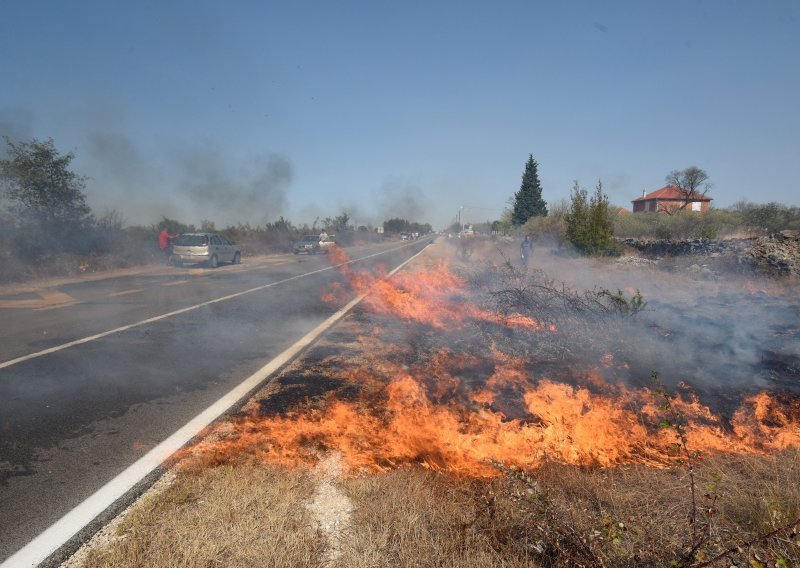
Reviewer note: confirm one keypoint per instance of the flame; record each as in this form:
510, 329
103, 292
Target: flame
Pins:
443, 424
464, 411
434, 296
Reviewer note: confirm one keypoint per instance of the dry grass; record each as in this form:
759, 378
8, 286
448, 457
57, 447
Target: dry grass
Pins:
411, 517
225, 516
637, 516
559, 515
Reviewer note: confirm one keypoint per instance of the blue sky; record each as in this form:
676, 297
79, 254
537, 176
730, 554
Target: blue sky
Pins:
245, 111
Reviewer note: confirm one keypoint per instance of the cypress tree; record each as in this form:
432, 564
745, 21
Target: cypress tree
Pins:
528, 200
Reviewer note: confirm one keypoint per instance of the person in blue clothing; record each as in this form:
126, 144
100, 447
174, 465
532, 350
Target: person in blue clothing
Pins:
525, 249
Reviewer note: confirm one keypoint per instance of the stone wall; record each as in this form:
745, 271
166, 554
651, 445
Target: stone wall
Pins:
777, 254
701, 247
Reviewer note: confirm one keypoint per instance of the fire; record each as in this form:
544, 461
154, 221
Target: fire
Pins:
435, 297
463, 411
397, 420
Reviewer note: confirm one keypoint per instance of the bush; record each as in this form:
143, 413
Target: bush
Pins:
742, 218
588, 222
769, 218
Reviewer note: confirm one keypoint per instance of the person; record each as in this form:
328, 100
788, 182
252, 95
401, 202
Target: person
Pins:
525, 250
164, 244
323, 236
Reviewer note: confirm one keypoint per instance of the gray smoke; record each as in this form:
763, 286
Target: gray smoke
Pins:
403, 200
716, 332
15, 124
213, 188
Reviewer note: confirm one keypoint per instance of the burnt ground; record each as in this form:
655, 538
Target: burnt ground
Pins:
720, 344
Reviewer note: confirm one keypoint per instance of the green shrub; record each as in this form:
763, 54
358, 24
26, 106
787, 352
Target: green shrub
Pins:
588, 223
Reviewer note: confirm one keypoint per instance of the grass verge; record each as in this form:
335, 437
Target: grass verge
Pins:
251, 514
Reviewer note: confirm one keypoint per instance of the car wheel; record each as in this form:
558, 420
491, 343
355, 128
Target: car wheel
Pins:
295, 252
177, 262
237, 258
213, 262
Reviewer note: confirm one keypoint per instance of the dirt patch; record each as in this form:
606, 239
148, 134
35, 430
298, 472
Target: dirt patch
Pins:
330, 507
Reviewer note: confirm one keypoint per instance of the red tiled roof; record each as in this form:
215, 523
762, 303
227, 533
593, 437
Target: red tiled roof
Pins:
671, 192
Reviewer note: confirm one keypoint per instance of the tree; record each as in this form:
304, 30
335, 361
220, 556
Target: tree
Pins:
691, 184
528, 200
46, 199
37, 179
589, 226
577, 217
396, 225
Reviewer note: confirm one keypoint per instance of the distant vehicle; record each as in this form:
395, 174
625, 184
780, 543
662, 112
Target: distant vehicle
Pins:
405, 236
204, 248
309, 244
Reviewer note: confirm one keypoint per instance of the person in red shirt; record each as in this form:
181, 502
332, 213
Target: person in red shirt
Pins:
164, 243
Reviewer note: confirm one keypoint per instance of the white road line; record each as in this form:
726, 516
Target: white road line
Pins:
22, 358
37, 550
126, 292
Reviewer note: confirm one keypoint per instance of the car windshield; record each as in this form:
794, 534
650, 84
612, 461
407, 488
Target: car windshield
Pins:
310, 238
192, 241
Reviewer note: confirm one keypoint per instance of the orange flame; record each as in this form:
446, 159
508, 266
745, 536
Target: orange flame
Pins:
462, 412
397, 422
435, 297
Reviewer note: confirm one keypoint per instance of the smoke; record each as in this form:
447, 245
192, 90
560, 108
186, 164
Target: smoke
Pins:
723, 333
215, 189
15, 124
406, 201
186, 183
122, 179
116, 157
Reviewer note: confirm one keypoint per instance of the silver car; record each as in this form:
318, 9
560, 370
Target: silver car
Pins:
207, 248
309, 244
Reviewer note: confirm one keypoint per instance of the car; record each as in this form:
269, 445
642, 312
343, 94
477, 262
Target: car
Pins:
204, 248
309, 244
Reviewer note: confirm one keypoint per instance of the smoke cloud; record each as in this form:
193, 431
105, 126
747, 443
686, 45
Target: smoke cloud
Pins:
407, 201
215, 189
15, 124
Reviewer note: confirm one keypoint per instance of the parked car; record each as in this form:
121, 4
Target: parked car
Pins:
207, 248
309, 244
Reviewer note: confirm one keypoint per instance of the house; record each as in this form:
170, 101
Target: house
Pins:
670, 199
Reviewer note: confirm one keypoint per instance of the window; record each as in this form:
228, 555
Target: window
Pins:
191, 241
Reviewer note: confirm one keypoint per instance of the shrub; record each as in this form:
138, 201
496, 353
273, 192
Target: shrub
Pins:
589, 227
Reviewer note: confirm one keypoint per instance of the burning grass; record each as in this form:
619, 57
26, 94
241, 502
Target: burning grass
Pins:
456, 412
483, 419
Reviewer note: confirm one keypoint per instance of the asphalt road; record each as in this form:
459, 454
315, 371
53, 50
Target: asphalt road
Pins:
73, 418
